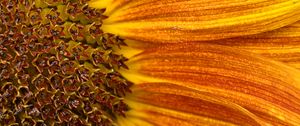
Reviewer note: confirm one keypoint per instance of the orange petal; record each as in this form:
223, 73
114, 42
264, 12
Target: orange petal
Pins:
170, 104
268, 89
282, 44
195, 20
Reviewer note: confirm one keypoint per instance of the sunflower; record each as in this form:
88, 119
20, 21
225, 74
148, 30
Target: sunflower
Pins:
149, 62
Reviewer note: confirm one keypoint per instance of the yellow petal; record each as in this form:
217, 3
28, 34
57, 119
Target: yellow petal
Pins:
196, 20
101, 4
267, 89
282, 44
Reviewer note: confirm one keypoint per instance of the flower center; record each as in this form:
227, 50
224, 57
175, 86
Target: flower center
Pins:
56, 65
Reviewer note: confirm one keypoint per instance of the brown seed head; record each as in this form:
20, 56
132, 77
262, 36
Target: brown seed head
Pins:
56, 65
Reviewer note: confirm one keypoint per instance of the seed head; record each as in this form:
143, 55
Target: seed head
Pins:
56, 65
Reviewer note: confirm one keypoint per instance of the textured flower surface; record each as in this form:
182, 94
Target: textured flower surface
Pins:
149, 62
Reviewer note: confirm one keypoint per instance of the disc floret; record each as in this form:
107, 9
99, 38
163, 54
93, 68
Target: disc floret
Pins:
56, 65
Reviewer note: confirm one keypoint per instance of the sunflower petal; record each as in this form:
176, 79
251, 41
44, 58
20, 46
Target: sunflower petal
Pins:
282, 44
196, 20
267, 89
169, 104
101, 4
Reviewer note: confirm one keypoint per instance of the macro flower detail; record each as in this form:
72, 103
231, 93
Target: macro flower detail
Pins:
198, 83
149, 62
